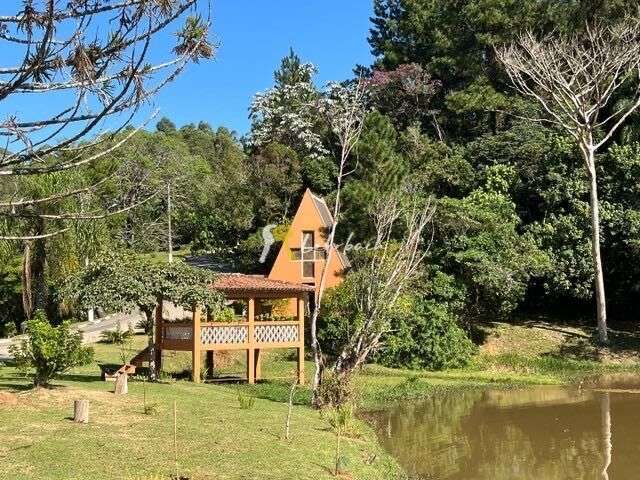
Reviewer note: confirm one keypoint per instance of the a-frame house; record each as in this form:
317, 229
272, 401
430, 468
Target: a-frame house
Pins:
303, 254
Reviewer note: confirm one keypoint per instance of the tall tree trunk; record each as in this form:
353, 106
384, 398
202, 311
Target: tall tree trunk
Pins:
601, 305
27, 299
40, 292
35, 294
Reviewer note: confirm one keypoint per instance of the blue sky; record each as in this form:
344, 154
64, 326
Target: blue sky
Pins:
254, 35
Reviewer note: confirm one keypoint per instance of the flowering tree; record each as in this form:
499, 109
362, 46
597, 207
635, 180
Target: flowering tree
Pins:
404, 94
286, 113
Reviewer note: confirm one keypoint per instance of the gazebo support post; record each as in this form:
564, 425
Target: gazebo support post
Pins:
196, 354
258, 364
251, 365
301, 338
209, 363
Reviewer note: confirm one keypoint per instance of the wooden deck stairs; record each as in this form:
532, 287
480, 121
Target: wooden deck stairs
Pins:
140, 358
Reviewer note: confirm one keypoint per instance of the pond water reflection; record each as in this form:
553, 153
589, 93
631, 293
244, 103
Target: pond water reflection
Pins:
543, 433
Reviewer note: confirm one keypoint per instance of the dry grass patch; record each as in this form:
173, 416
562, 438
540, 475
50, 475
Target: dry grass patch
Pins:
8, 399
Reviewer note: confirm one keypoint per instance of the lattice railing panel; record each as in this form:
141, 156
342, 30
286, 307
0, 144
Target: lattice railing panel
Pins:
177, 332
224, 334
276, 333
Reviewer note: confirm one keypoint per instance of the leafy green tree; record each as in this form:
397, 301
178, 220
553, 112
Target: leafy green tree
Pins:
124, 282
454, 42
50, 350
427, 334
381, 167
166, 126
427, 337
292, 71
620, 193
479, 242
424, 331
223, 212
319, 174
40, 255
442, 170
277, 182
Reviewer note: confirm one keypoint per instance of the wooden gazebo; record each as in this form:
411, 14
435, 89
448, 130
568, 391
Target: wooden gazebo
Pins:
249, 333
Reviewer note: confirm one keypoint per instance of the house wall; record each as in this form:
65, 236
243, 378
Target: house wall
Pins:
307, 218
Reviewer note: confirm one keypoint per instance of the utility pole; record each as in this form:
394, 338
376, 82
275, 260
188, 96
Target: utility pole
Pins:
170, 235
90, 311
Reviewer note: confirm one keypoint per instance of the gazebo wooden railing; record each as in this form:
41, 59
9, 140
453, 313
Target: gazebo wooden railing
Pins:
250, 335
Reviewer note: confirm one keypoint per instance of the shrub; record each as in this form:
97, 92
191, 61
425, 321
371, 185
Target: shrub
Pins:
9, 329
146, 325
335, 390
341, 421
117, 336
429, 337
50, 350
245, 401
342, 418
226, 314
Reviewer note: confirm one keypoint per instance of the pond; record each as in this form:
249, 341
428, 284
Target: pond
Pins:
542, 433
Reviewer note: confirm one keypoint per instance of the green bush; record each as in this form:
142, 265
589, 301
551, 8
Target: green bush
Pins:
429, 338
246, 402
9, 329
335, 391
146, 325
117, 336
423, 334
50, 350
226, 314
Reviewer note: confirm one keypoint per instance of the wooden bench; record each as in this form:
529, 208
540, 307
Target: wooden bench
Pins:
109, 372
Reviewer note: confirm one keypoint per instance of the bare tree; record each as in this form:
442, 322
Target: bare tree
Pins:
388, 270
345, 108
574, 79
91, 56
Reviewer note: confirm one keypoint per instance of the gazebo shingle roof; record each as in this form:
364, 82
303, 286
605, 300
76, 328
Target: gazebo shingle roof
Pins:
239, 282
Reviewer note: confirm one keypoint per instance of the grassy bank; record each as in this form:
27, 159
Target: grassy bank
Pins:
511, 355
216, 438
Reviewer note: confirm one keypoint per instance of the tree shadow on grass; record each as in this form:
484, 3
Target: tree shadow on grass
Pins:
8, 381
277, 392
588, 347
20, 447
554, 328
478, 333
15, 387
80, 378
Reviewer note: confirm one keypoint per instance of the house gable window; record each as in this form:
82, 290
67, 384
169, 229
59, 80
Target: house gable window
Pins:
308, 254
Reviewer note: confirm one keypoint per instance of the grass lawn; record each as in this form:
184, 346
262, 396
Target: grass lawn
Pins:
216, 439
